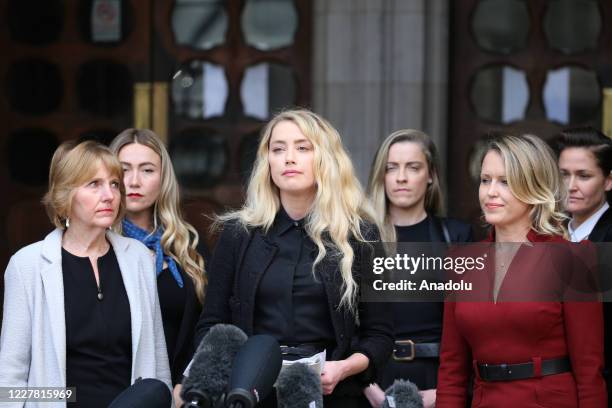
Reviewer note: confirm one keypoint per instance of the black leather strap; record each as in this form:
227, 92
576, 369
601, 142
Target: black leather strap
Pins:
406, 350
509, 372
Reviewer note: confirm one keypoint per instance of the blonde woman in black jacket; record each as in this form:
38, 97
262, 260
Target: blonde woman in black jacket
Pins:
287, 263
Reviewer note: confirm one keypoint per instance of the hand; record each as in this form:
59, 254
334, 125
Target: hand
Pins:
429, 398
375, 395
333, 373
176, 393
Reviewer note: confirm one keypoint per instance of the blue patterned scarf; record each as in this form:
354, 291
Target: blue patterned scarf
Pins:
153, 242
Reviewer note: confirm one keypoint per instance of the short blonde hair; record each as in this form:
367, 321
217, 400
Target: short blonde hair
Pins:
534, 179
72, 165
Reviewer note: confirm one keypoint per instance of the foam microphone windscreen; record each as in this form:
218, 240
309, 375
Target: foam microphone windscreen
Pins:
210, 370
299, 386
255, 370
402, 394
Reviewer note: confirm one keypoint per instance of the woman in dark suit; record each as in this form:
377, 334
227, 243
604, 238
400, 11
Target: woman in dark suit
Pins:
405, 189
153, 217
585, 161
539, 352
288, 263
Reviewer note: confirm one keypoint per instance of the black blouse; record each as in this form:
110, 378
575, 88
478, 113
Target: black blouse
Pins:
418, 321
291, 304
98, 332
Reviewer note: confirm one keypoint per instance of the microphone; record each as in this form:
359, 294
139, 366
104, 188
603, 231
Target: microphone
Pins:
256, 367
402, 394
299, 386
144, 393
212, 365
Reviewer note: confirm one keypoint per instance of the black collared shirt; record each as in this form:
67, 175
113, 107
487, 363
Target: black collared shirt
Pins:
291, 303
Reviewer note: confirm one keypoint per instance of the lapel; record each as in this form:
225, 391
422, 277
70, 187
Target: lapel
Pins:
187, 322
256, 261
53, 284
602, 227
435, 229
128, 263
329, 272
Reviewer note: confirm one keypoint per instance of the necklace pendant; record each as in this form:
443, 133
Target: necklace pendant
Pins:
100, 296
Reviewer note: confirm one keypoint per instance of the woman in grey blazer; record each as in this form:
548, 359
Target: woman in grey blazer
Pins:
81, 306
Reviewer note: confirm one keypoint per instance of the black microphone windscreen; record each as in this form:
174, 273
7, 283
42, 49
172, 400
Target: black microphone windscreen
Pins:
402, 394
146, 393
299, 386
255, 370
212, 363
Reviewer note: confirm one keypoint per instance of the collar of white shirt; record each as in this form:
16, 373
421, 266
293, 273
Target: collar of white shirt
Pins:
584, 230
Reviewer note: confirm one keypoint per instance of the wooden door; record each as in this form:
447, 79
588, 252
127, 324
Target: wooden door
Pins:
534, 66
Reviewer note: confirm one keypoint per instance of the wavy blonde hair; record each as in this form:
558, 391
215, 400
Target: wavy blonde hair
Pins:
180, 238
534, 179
434, 198
339, 208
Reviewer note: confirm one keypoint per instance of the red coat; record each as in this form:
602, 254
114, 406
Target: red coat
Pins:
518, 332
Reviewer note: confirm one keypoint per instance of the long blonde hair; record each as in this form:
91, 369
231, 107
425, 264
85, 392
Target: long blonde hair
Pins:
534, 179
339, 208
180, 238
434, 199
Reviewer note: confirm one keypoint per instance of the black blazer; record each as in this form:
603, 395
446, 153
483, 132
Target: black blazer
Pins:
458, 231
185, 347
602, 232
240, 260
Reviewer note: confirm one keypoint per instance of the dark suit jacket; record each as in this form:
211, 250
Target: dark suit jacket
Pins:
240, 260
185, 346
458, 231
603, 229
602, 232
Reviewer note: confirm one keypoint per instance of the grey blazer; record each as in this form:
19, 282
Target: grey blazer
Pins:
33, 338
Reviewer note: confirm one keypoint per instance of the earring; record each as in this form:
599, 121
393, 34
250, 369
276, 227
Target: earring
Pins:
430, 181
67, 222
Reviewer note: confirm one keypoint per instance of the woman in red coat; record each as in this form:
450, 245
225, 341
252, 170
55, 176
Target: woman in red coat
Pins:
528, 354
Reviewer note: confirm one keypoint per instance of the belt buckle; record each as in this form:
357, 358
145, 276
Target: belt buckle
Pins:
286, 350
404, 343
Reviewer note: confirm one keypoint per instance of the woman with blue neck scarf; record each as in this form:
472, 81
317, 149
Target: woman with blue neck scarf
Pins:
154, 218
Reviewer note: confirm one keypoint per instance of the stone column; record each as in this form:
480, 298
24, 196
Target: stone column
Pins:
381, 65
